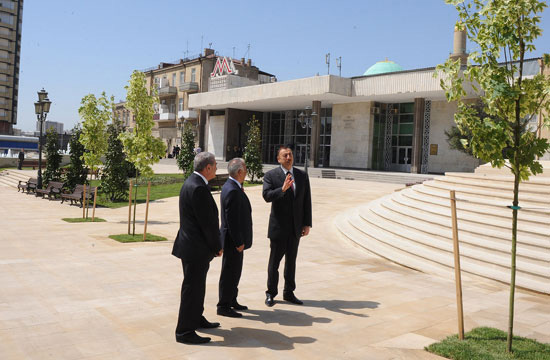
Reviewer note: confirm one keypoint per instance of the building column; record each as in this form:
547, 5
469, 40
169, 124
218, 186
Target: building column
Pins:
315, 134
416, 161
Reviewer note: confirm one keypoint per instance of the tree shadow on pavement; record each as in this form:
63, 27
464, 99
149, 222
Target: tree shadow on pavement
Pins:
343, 306
283, 317
257, 338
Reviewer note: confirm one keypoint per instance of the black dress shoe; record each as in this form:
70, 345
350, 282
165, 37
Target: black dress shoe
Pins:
192, 338
269, 300
205, 324
293, 299
227, 311
238, 306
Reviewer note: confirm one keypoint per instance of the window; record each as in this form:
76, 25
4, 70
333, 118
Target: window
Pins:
182, 77
193, 75
4, 54
173, 79
4, 42
2, 112
6, 18
3, 89
4, 31
7, 4
157, 82
3, 77
180, 104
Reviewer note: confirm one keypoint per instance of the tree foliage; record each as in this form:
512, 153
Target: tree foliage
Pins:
77, 170
253, 150
141, 147
187, 154
53, 171
96, 114
114, 178
501, 30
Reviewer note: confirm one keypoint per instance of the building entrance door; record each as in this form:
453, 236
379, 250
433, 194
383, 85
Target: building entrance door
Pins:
300, 155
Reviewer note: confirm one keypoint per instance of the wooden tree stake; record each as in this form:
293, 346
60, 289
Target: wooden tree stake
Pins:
458, 279
146, 210
95, 198
130, 206
84, 202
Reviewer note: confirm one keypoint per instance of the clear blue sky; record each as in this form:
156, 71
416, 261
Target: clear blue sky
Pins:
73, 48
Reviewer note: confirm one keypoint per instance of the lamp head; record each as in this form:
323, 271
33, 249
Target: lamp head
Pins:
42, 94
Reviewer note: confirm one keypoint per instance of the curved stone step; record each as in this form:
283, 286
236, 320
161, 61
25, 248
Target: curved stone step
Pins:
485, 202
432, 261
536, 270
404, 225
474, 229
466, 217
489, 209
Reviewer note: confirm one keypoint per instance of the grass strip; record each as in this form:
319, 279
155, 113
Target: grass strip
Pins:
486, 343
125, 238
79, 220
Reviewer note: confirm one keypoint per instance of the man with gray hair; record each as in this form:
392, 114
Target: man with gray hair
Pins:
236, 236
197, 243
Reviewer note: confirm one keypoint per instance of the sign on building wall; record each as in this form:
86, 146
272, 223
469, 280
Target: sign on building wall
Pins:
223, 67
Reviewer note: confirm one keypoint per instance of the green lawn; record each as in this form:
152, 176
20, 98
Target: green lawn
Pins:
489, 344
79, 220
158, 192
125, 238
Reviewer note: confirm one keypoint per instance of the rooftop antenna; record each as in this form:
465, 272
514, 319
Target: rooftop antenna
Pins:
210, 45
327, 61
247, 51
202, 38
187, 50
339, 65
233, 52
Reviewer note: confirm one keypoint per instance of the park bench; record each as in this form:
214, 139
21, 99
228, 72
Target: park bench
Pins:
218, 182
33, 163
53, 189
28, 186
76, 196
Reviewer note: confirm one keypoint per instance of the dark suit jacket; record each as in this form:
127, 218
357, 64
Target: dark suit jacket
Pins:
198, 238
289, 213
236, 216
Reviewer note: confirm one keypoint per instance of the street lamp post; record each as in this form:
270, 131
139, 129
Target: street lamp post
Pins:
306, 120
41, 108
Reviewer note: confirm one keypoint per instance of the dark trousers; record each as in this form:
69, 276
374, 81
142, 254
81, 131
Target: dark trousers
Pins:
232, 266
19, 164
289, 249
193, 290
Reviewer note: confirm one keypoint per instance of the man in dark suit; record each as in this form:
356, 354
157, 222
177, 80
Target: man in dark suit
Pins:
287, 189
21, 158
196, 244
236, 236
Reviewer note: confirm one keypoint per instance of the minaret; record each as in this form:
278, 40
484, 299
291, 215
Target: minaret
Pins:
459, 46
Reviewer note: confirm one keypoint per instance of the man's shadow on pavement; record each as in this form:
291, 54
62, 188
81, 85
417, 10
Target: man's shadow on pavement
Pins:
342, 306
283, 317
257, 338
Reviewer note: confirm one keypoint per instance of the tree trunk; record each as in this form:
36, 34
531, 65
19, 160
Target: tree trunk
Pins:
513, 264
135, 204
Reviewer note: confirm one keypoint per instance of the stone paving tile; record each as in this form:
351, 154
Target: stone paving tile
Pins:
69, 292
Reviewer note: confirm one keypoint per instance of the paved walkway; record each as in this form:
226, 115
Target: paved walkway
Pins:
69, 292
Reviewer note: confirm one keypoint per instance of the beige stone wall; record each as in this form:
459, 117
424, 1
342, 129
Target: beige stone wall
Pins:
351, 142
441, 119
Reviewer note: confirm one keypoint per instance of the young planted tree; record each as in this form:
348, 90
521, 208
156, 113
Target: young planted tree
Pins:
77, 170
502, 31
140, 146
253, 150
114, 178
96, 114
187, 154
53, 172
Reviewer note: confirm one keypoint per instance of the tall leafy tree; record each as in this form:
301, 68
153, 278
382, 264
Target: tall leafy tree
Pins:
140, 146
253, 150
96, 114
114, 178
77, 170
502, 31
53, 171
187, 153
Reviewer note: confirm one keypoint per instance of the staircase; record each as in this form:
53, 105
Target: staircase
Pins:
10, 178
412, 227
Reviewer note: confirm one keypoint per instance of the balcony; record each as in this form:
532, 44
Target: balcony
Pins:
167, 116
189, 87
168, 91
187, 114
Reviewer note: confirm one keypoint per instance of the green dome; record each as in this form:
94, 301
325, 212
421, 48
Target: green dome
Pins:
383, 67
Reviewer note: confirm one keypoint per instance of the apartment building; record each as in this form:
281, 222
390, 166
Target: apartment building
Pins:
11, 14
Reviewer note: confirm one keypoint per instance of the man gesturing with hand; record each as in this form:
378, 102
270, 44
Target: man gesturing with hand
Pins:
287, 189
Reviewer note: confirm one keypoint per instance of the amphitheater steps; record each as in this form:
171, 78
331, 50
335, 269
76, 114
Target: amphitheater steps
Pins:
11, 178
412, 227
